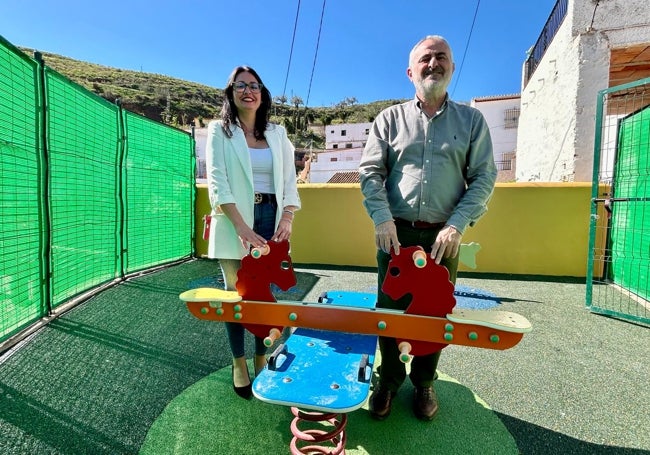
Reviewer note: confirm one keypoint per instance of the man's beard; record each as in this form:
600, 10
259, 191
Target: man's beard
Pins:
428, 86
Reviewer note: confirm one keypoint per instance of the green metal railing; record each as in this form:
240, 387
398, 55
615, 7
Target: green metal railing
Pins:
90, 193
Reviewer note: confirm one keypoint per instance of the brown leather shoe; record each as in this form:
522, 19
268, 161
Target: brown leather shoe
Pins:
425, 403
380, 402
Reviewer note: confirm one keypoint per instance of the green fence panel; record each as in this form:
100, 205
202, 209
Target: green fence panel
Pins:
618, 268
90, 192
159, 183
630, 236
21, 295
83, 144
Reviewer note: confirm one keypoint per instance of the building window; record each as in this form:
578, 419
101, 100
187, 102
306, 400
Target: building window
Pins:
335, 146
343, 133
511, 118
334, 159
367, 131
506, 161
348, 146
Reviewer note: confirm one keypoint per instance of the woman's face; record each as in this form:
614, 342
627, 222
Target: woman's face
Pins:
245, 97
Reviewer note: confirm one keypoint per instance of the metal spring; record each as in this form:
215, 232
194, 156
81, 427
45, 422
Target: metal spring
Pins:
336, 437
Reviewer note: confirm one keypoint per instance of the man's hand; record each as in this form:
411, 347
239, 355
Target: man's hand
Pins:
386, 236
447, 244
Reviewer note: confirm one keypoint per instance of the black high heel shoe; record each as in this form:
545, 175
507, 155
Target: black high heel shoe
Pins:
246, 391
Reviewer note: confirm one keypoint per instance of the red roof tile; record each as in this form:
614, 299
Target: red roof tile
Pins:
345, 177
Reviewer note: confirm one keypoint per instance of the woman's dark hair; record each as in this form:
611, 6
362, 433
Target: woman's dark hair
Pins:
229, 110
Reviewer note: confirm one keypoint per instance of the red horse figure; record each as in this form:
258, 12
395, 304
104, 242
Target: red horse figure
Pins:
413, 272
258, 270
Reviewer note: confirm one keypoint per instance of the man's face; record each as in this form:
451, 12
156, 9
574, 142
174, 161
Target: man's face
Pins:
430, 67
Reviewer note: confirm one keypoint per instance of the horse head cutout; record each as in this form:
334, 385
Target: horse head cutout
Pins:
263, 267
413, 272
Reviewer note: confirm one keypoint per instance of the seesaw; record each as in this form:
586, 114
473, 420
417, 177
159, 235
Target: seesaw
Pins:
341, 334
428, 324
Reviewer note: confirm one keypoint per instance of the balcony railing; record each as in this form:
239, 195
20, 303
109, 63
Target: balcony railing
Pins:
545, 38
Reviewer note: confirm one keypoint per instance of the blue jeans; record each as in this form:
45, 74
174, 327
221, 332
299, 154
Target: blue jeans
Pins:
264, 225
392, 372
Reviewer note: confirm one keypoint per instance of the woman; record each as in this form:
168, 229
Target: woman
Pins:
253, 193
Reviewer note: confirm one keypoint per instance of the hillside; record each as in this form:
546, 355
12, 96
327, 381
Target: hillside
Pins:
158, 97
178, 102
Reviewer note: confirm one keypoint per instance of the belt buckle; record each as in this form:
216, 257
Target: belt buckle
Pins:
258, 198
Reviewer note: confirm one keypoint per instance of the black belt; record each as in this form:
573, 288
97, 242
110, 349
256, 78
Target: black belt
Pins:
419, 224
264, 198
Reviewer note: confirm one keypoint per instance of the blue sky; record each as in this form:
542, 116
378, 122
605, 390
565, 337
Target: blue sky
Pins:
362, 51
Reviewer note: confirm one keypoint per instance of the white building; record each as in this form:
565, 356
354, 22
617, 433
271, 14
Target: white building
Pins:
345, 142
344, 145
586, 46
502, 116
330, 162
201, 138
347, 135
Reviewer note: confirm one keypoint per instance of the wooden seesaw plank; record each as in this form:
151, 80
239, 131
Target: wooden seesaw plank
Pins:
502, 320
389, 323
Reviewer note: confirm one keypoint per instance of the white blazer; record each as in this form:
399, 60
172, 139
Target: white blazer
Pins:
230, 180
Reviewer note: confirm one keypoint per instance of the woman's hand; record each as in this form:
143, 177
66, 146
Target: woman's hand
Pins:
249, 237
246, 235
284, 227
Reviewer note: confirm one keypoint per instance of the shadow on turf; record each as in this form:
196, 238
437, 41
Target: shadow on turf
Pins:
535, 440
55, 430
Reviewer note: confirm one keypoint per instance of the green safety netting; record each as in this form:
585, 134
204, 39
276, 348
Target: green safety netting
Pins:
90, 192
158, 183
21, 244
630, 234
83, 150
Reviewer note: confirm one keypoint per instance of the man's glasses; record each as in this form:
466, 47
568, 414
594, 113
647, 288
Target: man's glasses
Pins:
240, 86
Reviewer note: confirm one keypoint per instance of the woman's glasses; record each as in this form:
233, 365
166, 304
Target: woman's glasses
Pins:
240, 86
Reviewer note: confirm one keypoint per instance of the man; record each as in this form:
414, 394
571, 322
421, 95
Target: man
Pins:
427, 173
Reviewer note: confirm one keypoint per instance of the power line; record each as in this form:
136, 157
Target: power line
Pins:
293, 39
313, 67
460, 70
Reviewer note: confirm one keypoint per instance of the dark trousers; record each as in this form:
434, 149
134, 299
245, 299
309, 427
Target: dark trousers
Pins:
392, 372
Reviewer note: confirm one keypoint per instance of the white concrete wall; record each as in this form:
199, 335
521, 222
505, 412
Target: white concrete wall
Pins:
547, 120
555, 141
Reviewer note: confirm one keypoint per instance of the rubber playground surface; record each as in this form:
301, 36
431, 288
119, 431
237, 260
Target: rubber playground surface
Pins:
131, 371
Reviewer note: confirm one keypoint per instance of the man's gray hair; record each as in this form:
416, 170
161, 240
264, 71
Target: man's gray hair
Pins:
428, 37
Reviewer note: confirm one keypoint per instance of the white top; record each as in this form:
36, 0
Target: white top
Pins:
262, 164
